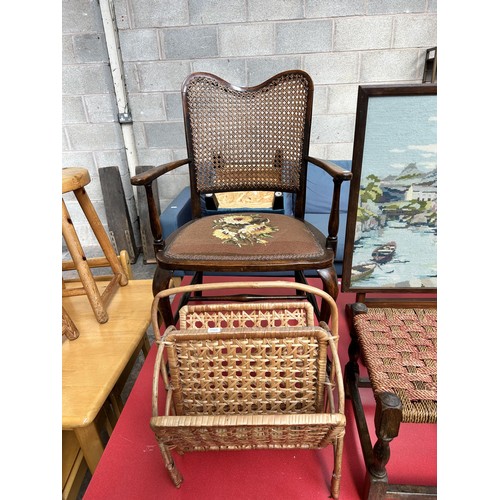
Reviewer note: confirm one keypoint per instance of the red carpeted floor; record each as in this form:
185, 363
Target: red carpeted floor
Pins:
132, 467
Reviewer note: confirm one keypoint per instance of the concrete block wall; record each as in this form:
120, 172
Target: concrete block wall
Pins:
340, 43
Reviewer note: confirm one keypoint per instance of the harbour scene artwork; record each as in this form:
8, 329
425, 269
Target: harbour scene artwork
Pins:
395, 243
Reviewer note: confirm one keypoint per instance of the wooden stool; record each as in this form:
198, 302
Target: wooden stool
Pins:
74, 179
398, 348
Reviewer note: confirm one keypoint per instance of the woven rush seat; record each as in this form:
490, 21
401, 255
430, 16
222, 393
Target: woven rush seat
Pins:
240, 376
399, 350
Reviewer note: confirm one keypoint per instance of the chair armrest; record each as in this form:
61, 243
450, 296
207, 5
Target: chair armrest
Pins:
150, 175
331, 168
339, 175
146, 179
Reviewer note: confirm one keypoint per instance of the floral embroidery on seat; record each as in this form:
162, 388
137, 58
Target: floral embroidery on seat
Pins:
243, 229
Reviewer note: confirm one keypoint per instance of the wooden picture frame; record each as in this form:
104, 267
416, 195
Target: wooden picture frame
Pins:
391, 235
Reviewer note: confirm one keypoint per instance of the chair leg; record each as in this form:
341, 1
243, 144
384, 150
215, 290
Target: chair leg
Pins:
301, 278
161, 281
331, 287
145, 346
174, 473
197, 279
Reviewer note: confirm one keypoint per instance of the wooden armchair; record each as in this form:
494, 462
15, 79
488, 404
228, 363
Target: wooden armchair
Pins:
246, 139
239, 376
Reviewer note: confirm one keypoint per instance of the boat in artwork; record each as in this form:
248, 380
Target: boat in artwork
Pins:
361, 271
384, 253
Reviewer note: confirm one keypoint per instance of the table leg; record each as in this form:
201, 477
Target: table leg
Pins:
91, 444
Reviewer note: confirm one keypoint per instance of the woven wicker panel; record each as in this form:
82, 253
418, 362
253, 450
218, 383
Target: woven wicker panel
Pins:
238, 371
399, 348
272, 315
248, 140
209, 433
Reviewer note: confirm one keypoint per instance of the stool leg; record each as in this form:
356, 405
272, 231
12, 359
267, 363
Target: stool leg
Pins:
68, 326
81, 264
388, 415
100, 233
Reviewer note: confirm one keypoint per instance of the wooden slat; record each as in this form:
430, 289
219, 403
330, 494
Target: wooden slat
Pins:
119, 224
148, 253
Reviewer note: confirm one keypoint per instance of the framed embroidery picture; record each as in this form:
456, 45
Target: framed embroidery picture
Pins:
391, 236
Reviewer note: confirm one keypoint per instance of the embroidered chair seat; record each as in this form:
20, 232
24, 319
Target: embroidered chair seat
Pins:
251, 239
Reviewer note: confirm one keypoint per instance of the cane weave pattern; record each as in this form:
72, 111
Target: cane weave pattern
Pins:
247, 372
248, 139
262, 385
251, 432
399, 349
263, 315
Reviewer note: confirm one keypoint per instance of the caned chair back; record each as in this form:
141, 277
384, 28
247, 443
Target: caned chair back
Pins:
244, 139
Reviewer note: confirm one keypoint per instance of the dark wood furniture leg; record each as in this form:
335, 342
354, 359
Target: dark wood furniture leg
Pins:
387, 413
161, 281
377, 457
331, 287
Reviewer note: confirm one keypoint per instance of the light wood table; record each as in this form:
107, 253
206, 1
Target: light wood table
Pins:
93, 363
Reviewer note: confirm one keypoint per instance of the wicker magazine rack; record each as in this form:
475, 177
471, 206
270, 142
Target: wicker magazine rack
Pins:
241, 376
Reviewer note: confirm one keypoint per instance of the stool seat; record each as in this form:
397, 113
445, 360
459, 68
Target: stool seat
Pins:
74, 178
399, 350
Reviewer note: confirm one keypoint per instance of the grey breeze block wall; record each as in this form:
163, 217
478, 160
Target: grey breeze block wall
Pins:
340, 43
